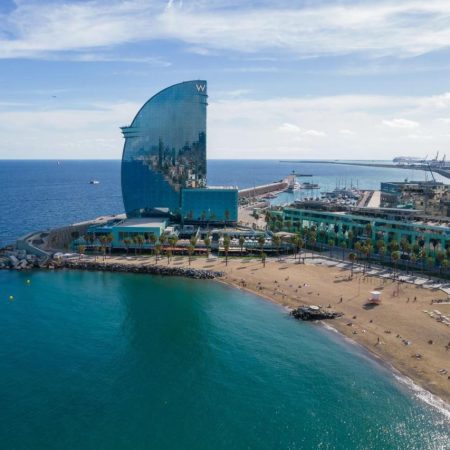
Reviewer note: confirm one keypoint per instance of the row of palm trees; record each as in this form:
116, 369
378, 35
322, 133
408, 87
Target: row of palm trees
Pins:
163, 243
364, 245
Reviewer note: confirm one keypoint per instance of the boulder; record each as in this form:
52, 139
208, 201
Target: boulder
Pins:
13, 260
309, 313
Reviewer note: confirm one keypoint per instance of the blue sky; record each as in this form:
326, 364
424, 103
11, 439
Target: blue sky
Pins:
287, 79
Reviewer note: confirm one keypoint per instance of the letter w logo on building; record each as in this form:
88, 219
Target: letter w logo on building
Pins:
200, 87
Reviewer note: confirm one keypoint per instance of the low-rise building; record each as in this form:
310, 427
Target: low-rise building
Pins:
377, 225
210, 205
431, 197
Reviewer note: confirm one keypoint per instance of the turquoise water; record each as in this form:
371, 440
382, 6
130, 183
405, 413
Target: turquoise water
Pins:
115, 361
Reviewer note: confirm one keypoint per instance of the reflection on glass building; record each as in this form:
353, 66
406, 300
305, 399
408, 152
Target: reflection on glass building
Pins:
165, 150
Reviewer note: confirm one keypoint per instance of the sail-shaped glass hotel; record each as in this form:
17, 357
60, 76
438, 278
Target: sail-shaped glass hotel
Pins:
165, 149
164, 159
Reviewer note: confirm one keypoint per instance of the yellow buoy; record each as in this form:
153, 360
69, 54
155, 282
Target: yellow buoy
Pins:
28, 281
11, 298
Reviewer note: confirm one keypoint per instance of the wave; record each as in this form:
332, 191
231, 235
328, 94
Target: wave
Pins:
424, 395
420, 393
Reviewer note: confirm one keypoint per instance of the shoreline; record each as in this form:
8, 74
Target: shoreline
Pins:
394, 332
440, 401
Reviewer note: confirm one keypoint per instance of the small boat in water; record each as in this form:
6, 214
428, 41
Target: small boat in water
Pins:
295, 186
94, 182
307, 185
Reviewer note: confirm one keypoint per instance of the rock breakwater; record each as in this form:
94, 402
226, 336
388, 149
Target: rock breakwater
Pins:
148, 269
309, 313
20, 260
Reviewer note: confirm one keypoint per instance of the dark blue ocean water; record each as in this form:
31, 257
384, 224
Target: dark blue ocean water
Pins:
114, 361
41, 194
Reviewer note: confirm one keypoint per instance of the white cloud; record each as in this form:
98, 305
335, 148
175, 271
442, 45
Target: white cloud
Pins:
351, 125
289, 128
92, 132
235, 93
314, 133
400, 123
407, 27
313, 127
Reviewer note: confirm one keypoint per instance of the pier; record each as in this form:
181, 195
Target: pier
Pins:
441, 171
263, 189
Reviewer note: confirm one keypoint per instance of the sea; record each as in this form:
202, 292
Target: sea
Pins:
122, 361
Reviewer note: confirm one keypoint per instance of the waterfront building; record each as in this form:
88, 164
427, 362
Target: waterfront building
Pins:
165, 149
211, 205
164, 159
164, 170
378, 224
431, 197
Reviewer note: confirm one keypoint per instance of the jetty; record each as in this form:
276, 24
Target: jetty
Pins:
426, 167
21, 261
257, 191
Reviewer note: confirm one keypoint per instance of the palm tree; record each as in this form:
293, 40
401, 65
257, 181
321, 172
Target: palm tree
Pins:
135, 242
350, 236
152, 239
261, 242
109, 241
241, 243
173, 239
191, 250
207, 242
301, 244
226, 247
294, 243
382, 252
81, 250
368, 230
89, 239
343, 246
413, 259
322, 236
127, 242
277, 243
330, 245
163, 241
103, 242
395, 256
368, 249
157, 251
358, 248
193, 241
352, 258
312, 238
379, 244
140, 242
423, 258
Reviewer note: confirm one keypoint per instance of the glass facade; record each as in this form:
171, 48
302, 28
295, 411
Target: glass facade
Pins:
210, 205
165, 150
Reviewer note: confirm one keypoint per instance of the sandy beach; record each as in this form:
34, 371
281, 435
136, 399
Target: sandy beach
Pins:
401, 330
